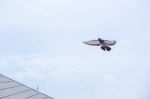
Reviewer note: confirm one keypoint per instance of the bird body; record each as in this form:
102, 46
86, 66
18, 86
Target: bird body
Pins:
105, 44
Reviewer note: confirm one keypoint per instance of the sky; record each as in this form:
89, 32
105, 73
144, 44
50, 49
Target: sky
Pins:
41, 45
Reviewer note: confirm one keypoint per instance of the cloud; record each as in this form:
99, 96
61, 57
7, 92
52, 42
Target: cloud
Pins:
36, 66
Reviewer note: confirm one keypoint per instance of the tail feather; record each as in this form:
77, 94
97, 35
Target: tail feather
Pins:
103, 48
108, 48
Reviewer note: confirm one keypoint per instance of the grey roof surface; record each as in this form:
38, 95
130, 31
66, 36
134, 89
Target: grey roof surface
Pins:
10, 89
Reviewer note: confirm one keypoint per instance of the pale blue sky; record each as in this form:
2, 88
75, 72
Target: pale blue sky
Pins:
41, 44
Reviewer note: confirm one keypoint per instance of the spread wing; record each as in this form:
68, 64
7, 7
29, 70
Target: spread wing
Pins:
108, 42
92, 42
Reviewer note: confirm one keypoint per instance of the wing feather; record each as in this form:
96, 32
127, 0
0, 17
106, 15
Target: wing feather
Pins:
92, 42
108, 42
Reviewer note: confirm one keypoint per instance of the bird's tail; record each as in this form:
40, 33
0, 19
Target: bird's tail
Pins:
108, 48
105, 48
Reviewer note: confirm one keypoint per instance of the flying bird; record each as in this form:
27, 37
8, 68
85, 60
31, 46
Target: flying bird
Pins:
104, 44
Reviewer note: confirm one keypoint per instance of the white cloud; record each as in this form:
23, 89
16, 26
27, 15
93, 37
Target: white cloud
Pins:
36, 65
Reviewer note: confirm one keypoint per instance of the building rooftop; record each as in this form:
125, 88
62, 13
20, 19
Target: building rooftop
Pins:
11, 89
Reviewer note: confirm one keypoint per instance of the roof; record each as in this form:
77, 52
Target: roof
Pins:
10, 89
